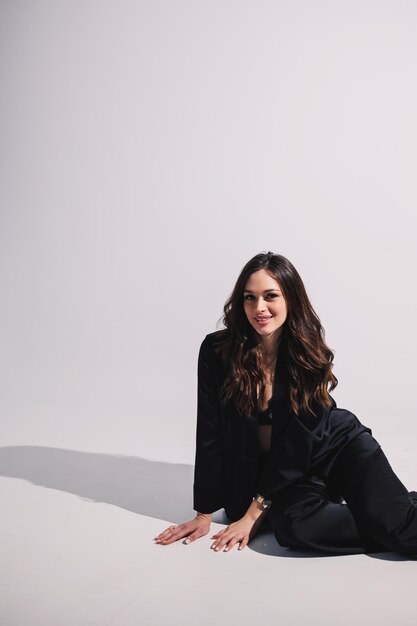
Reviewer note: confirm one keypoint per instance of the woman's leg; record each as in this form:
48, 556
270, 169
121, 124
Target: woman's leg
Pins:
380, 513
306, 515
378, 500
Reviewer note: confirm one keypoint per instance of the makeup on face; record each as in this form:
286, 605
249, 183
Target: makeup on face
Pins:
264, 303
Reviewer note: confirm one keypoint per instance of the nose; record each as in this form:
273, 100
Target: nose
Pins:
260, 307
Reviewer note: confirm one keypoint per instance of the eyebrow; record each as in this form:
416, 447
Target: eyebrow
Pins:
248, 291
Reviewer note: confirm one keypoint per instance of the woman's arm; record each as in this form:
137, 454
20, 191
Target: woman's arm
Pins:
208, 471
241, 531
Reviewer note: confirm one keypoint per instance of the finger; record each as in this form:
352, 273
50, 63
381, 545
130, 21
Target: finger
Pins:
220, 543
227, 529
164, 535
166, 532
231, 544
160, 534
195, 535
243, 543
173, 535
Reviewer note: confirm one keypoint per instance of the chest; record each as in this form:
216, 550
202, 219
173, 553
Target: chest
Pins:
264, 414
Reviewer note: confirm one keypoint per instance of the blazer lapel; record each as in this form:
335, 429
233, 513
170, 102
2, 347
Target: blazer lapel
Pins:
280, 401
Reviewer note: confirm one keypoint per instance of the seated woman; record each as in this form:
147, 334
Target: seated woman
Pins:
271, 440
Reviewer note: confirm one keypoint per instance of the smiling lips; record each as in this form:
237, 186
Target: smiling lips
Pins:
263, 320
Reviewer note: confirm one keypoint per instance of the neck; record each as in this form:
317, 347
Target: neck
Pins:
270, 344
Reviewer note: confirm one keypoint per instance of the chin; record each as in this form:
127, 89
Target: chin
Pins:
269, 331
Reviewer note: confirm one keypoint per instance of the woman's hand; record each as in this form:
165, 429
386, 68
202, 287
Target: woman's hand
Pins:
192, 530
241, 532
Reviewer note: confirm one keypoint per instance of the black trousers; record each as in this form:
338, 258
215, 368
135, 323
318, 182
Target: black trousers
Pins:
379, 514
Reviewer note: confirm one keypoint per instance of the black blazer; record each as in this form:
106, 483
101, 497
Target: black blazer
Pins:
226, 459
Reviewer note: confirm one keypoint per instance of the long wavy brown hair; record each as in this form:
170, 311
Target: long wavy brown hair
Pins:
304, 357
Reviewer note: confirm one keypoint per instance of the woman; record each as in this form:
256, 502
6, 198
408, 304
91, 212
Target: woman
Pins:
271, 441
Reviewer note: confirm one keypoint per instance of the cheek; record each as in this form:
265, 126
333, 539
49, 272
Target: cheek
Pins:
282, 311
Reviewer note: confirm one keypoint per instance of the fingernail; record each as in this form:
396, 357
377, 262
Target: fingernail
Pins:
187, 541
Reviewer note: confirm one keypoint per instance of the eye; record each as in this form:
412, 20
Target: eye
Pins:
269, 295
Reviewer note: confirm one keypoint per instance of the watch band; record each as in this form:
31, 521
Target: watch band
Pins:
265, 504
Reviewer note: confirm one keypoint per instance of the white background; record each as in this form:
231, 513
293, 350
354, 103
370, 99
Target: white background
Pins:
148, 150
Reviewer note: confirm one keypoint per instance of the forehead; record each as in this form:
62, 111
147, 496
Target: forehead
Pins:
261, 281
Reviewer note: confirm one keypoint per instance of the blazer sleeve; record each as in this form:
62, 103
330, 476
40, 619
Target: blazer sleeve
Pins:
209, 466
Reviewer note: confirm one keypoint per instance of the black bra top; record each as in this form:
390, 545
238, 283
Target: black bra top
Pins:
265, 416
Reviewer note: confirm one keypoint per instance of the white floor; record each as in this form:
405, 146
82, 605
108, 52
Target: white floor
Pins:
76, 543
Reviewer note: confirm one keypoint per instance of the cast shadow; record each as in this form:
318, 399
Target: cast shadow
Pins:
152, 488
266, 543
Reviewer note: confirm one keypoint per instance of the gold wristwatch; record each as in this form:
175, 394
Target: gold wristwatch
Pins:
265, 504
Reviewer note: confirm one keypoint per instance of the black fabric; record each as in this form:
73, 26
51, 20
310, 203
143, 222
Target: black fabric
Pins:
379, 513
227, 473
313, 463
265, 416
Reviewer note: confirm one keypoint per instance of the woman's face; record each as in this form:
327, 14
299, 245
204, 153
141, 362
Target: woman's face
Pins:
264, 303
